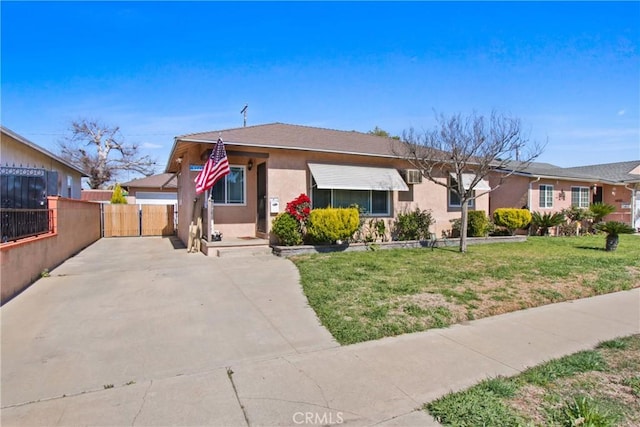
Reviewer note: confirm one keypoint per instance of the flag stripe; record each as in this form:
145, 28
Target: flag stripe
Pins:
216, 167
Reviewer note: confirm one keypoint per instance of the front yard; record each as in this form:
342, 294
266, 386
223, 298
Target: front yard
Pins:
362, 296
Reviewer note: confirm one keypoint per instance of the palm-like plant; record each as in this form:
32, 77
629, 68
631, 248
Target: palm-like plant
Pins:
613, 230
600, 210
547, 220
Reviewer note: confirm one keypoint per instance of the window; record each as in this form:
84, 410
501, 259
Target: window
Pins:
230, 190
373, 202
580, 197
546, 196
454, 198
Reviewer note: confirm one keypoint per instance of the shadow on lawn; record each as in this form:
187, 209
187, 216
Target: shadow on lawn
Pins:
592, 248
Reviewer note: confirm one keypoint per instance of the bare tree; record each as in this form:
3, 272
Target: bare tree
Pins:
101, 152
468, 148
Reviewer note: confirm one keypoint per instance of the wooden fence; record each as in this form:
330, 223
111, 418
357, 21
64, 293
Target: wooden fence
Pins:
134, 220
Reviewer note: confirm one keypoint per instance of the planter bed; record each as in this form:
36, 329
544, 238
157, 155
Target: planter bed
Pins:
286, 251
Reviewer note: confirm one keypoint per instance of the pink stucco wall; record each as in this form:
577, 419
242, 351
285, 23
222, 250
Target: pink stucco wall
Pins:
76, 226
287, 177
518, 191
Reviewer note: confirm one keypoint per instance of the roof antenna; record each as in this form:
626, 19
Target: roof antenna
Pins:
244, 112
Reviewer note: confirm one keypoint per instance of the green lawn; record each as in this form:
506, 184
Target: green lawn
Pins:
362, 296
597, 388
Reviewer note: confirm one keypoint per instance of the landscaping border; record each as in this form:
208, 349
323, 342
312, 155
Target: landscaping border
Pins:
287, 251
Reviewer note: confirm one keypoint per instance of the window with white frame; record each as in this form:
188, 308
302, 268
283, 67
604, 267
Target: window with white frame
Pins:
230, 189
546, 195
580, 197
372, 202
454, 198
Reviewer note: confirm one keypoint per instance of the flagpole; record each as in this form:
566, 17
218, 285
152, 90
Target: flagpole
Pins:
211, 217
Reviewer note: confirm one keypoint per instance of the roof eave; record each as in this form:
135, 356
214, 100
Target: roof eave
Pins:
42, 150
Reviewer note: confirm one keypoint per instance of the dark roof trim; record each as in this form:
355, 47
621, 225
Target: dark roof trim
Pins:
44, 151
279, 147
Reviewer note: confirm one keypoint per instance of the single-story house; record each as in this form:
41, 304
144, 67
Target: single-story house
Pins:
543, 187
160, 189
272, 164
30, 173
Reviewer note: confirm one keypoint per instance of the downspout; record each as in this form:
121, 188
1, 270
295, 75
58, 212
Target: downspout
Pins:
633, 204
529, 192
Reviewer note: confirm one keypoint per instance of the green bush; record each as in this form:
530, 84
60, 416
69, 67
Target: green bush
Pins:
477, 224
512, 219
547, 220
329, 225
413, 225
287, 229
615, 228
600, 210
575, 213
117, 198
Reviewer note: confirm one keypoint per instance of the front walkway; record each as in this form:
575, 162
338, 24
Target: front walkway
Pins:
181, 339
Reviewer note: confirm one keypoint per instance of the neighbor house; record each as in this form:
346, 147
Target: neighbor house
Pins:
543, 187
30, 173
160, 189
274, 163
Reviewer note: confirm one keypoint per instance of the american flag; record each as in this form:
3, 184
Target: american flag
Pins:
216, 167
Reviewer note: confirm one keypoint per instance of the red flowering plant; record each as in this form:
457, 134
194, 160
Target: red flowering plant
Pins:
300, 208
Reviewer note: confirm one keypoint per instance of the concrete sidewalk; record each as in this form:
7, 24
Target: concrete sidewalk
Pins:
375, 383
290, 373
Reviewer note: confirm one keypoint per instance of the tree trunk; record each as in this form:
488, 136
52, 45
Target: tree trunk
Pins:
612, 242
464, 218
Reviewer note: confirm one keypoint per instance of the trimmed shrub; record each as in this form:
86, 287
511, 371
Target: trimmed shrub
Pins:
117, 198
544, 221
287, 229
413, 225
477, 224
600, 210
328, 225
512, 219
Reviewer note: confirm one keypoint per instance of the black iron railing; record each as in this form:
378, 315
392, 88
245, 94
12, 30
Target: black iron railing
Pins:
20, 223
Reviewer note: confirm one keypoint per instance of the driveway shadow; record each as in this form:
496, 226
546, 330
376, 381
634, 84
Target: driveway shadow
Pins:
176, 242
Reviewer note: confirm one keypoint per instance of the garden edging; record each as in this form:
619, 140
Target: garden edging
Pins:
286, 251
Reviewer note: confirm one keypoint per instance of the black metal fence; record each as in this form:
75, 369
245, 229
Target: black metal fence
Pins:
20, 223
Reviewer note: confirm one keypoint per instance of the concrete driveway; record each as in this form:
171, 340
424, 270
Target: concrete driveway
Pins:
134, 310
132, 332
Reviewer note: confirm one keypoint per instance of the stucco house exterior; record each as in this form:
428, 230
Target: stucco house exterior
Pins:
24, 158
274, 163
543, 187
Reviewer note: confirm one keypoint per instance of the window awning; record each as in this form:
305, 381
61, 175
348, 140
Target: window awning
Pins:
343, 177
467, 179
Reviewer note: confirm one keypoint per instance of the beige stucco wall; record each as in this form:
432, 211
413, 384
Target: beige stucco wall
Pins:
15, 153
76, 226
287, 177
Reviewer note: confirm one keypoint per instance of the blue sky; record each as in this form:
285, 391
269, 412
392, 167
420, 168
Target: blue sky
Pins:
569, 71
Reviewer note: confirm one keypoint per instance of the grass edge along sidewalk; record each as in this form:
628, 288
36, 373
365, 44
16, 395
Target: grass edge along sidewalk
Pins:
362, 296
599, 387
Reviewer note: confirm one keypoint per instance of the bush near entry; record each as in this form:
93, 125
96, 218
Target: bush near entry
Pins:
329, 225
287, 229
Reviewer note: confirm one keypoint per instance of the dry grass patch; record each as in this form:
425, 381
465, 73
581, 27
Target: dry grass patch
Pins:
598, 387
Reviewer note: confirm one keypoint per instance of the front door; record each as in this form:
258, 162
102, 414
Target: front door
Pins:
597, 195
261, 224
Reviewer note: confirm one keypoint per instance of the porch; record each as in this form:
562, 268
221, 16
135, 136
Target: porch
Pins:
235, 246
